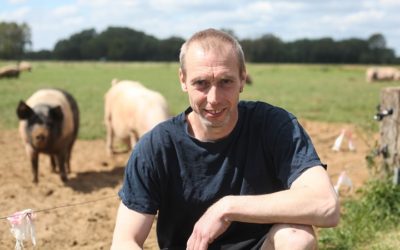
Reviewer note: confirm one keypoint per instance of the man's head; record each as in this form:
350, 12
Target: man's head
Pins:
213, 74
213, 39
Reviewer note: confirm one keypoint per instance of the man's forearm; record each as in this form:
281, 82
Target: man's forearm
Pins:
279, 208
310, 201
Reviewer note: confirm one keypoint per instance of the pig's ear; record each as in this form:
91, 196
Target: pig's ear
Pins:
24, 111
56, 113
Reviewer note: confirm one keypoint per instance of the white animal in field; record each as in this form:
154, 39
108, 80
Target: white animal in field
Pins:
382, 74
131, 110
13, 71
9, 71
25, 66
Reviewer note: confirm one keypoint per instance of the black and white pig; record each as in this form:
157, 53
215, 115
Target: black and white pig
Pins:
49, 123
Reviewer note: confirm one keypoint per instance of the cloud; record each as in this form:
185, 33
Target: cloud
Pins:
353, 20
17, 1
56, 20
19, 14
390, 2
68, 17
108, 3
65, 10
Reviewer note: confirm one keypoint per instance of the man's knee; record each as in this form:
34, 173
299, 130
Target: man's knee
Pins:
290, 236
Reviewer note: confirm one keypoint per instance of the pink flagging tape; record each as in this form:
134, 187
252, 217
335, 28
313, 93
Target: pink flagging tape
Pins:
343, 180
22, 227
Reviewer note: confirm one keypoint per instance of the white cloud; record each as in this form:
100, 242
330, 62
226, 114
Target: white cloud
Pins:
17, 1
286, 19
287, 6
353, 20
19, 14
258, 7
390, 2
94, 2
73, 21
66, 10
108, 3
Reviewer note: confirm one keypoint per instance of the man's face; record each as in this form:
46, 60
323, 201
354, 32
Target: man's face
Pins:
213, 83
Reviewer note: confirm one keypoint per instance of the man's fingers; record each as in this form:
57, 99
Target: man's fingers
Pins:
203, 244
197, 242
189, 244
193, 242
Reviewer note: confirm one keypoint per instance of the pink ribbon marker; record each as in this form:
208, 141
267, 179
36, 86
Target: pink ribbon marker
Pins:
22, 226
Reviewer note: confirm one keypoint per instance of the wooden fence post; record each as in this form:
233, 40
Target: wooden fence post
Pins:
389, 115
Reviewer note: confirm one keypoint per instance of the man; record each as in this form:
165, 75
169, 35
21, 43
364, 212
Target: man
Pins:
224, 174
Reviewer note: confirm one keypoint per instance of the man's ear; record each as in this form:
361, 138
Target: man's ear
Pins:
182, 79
242, 81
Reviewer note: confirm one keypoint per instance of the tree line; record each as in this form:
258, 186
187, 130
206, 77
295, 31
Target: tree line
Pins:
126, 44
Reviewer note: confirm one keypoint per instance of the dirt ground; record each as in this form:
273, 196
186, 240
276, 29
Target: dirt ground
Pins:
81, 213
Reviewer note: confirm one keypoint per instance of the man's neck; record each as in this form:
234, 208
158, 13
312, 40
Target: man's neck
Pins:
205, 133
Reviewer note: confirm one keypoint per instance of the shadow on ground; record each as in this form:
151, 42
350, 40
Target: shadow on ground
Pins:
90, 181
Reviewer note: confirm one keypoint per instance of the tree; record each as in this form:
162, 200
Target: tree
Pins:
39, 55
300, 51
14, 39
169, 49
268, 48
377, 41
378, 52
352, 50
128, 45
71, 49
324, 50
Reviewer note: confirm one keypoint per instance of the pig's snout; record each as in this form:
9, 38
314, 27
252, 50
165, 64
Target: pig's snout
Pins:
39, 137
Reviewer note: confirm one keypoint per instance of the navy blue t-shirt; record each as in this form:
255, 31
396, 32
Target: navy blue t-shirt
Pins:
178, 176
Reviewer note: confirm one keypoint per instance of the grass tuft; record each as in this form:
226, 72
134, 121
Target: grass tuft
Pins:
376, 210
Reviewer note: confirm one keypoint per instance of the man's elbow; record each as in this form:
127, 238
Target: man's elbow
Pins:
331, 212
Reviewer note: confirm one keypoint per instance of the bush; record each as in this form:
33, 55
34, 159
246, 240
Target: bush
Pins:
377, 209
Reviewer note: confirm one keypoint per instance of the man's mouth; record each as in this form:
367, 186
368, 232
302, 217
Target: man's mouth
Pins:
214, 112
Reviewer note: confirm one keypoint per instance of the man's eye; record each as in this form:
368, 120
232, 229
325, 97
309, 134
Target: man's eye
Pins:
200, 83
226, 81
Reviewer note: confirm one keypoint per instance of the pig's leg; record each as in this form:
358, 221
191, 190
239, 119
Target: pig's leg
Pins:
34, 156
53, 163
61, 164
68, 157
110, 138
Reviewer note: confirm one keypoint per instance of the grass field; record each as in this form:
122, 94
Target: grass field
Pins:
332, 93
328, 93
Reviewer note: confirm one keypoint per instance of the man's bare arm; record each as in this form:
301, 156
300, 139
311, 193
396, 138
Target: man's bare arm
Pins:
311, 200
131, 229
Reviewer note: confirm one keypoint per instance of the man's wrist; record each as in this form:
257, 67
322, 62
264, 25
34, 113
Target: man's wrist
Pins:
227, 207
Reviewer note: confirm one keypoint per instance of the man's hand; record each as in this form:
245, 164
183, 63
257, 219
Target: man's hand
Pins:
211, 225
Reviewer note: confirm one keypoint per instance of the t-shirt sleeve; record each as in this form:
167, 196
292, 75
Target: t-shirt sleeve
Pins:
140, 189
294, 152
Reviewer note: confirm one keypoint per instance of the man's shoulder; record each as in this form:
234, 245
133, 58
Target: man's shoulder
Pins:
265, 110
260, 105
166, 130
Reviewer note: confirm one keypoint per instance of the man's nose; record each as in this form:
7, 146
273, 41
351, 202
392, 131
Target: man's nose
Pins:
213, 95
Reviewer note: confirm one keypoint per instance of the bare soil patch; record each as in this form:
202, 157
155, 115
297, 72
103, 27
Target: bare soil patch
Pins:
95, 180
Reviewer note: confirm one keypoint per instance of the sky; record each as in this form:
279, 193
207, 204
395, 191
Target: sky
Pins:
51, 21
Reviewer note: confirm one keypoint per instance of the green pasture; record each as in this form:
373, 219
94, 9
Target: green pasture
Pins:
331, 93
